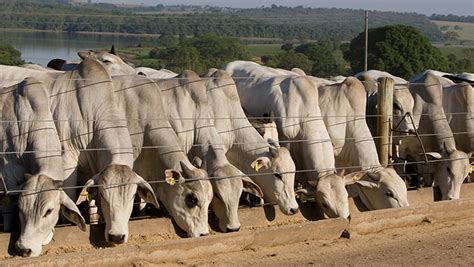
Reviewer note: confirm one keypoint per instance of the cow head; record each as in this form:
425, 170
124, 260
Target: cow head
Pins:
330, 194
379, 189
115, 188
187, 198
39, 205
113, 63
227, 191
278, 184
449, 172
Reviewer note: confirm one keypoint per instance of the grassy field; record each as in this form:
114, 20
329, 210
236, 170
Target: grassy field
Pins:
458, 51
466, 32
257, 50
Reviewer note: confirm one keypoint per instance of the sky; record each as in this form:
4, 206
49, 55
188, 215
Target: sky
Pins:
428, 7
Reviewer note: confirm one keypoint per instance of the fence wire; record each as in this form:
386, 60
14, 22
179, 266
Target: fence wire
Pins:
209, 178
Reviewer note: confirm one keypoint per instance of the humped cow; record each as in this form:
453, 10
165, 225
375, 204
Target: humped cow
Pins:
186, 191
449, 166
343, 109
95, 140
269, 165
294, 102
31, 161
190, 114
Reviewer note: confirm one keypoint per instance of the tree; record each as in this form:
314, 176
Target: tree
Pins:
10, 56
451, 36
287, 47
398, 49
291, 60
325, 62
200, 53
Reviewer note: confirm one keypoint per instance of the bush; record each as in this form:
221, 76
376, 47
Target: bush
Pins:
10, 56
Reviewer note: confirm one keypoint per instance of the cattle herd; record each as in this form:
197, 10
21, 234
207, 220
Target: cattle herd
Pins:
103, 132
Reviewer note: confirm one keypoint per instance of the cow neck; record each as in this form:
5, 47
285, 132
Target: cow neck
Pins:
428, 100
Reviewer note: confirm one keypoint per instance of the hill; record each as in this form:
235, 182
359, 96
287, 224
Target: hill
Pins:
268, 22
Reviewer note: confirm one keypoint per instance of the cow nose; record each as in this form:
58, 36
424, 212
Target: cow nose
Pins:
25, 252
118, 239
293, 210
229, 230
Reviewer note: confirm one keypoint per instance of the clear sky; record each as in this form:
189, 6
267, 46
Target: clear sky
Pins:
457, 7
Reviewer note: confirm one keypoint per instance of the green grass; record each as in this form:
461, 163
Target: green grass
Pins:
258, 50
466, 33
458, 51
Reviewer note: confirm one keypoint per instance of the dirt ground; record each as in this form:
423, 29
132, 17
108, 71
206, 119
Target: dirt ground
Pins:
428, 244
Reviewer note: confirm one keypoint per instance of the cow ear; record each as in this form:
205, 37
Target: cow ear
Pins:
307, 191
354, 177
361, 178
250, 187
260, 163
84, 54
172, 177
433, 155
71, 212
87, 190
145, 192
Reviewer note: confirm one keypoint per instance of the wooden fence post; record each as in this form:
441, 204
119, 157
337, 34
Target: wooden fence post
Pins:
384, 119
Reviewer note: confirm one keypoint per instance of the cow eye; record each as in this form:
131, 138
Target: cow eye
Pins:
449, 170
389, 194
107, 61
277, 175
191, 201
396, 106
48, 212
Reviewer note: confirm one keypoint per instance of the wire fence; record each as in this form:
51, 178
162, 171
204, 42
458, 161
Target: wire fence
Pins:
282, 142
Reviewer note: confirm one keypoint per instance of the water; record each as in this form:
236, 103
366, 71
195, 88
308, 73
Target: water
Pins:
41, 47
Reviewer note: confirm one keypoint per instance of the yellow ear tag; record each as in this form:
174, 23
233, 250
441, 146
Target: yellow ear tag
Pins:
89, 196
471, 169
258, 165
303, 198
357, 177
171, 181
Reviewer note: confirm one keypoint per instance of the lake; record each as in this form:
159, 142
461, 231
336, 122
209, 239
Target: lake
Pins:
41, 47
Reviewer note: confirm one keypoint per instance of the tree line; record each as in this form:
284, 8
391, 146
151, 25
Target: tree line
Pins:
270, 22
398, 49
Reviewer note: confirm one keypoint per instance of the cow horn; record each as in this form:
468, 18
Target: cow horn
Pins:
112, 50
186, 170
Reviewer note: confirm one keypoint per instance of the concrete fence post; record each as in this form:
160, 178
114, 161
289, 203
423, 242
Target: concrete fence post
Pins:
384, 119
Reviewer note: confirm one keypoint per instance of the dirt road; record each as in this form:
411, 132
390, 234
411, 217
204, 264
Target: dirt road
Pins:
440, 244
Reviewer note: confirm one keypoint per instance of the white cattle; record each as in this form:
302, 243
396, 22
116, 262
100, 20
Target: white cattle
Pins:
157, 150
294, 102
270, 166
87, 118
112, 62
155, 74
187, 106
450, 166
402, 101
343, 109
458, 103
31, 161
